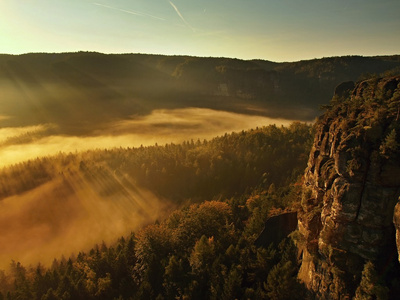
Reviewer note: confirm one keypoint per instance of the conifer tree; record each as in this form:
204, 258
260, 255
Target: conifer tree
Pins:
370, 288
282, 282
390, 145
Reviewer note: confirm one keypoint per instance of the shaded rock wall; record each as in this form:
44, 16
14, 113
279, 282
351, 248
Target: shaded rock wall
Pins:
351, 186
277, 228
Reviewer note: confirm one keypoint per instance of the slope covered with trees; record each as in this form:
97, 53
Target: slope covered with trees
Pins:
225, 166
203, 250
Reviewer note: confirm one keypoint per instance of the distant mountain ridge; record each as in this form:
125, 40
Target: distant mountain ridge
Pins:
87, 89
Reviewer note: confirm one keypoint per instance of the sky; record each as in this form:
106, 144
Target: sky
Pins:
276, 30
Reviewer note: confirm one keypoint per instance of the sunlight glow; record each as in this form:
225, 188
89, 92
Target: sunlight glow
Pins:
30, 232
272, 30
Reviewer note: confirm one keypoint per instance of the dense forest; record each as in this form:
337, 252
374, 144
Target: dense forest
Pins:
224, 190
224, 166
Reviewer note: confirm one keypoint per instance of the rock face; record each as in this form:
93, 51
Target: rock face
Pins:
351, 187
396, 221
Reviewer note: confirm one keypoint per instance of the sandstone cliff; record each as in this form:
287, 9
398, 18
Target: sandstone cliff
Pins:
351, 187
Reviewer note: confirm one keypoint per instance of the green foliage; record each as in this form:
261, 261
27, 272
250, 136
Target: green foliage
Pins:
370, 286
223, 167
282, 282
206, 249
390, 145
196, 253
232, 288
175, 278
202, 255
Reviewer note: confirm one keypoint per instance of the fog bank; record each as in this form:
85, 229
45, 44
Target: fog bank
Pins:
161, 126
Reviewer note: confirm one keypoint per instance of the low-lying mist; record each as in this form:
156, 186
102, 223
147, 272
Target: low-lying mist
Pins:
71, 213
161, 126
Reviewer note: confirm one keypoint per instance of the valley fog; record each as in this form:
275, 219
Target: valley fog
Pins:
162, 126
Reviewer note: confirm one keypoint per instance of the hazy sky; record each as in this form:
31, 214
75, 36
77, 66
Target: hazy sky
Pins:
277, 30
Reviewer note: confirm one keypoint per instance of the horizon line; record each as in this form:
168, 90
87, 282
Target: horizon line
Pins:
198, 56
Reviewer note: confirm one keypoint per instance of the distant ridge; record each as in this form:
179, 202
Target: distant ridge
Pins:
88, 89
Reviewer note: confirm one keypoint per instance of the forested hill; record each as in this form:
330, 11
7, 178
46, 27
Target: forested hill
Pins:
68, 202
197, 170
85, 90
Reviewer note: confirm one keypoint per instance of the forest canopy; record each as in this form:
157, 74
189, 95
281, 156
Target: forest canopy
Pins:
224, 190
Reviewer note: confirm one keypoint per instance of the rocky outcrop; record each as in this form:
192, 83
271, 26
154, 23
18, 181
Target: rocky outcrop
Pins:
351, 187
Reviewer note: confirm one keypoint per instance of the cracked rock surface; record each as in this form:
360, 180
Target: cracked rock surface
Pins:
351, 187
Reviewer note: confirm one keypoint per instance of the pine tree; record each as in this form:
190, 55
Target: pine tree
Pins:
370, 288
390, 145
232, 285
282, 282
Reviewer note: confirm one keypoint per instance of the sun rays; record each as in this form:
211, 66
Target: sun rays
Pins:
71, 212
